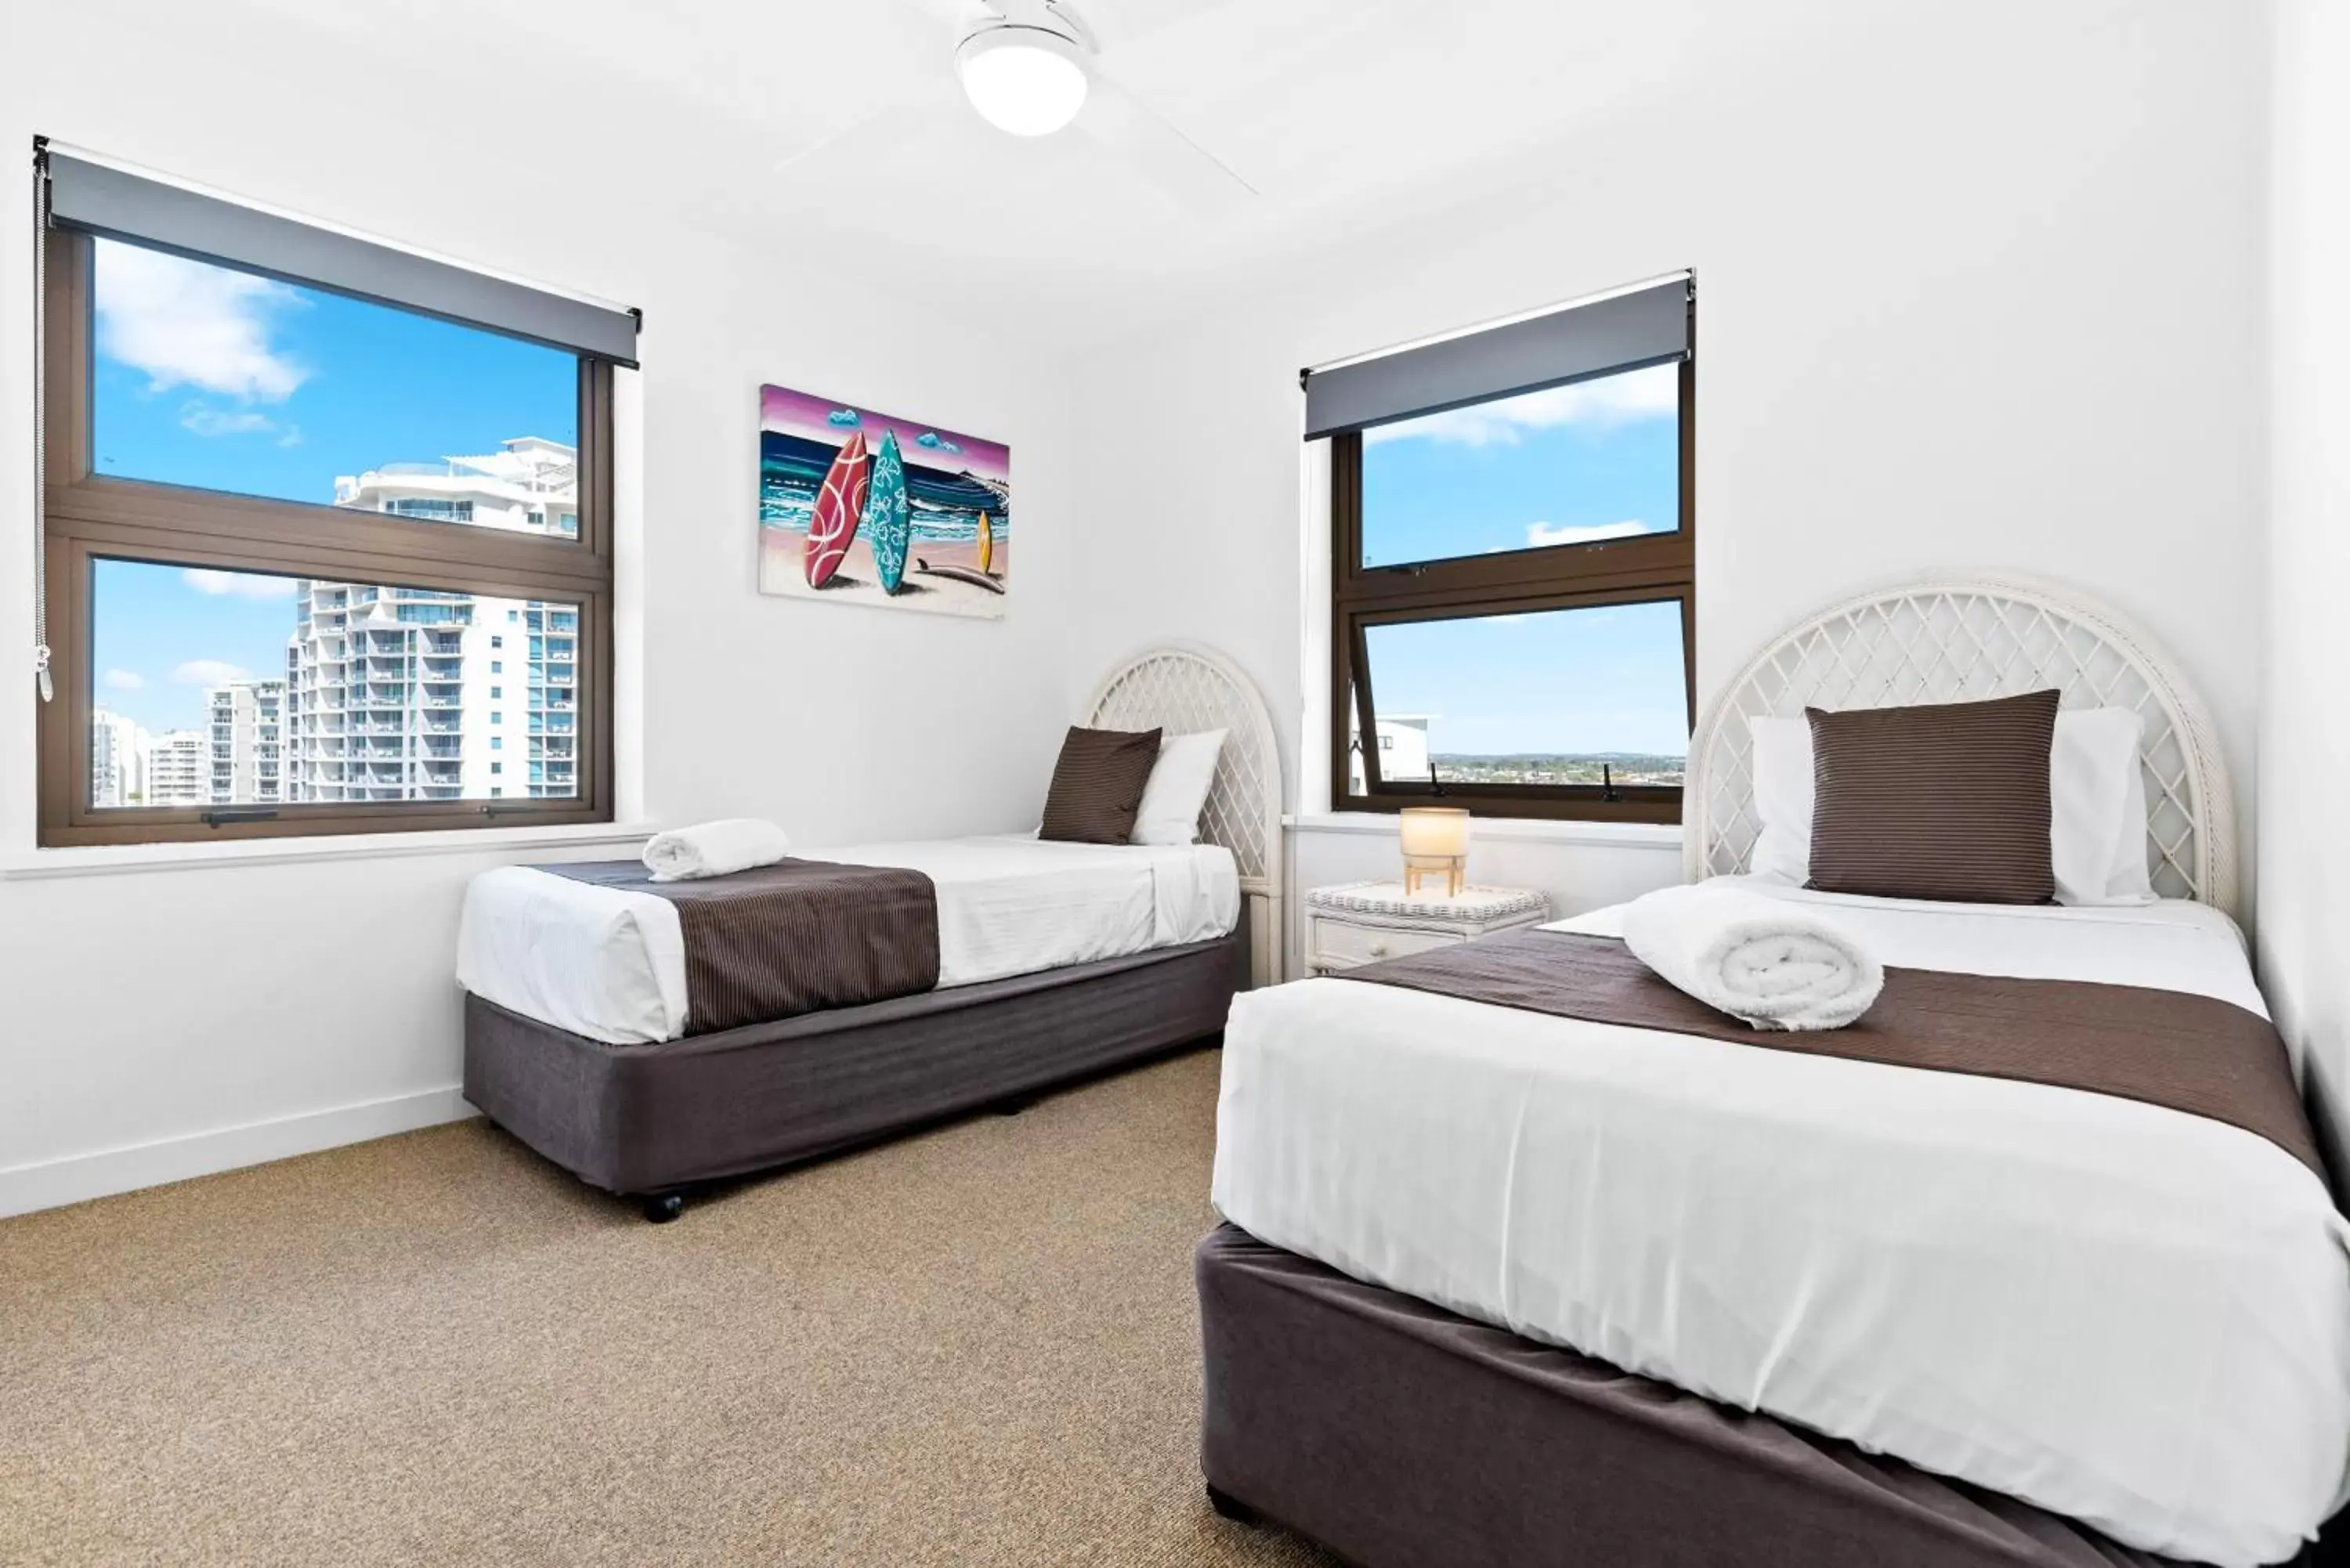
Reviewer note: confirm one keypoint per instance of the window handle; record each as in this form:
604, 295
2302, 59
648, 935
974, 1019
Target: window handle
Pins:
244, 814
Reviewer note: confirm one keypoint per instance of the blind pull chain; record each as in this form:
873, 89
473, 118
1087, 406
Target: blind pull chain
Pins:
41, 676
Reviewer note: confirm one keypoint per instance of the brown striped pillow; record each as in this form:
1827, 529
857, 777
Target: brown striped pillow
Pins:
1098, 785
1945, 799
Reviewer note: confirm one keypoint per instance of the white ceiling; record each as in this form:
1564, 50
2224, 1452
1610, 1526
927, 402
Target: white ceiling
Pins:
1337, 112
833, 130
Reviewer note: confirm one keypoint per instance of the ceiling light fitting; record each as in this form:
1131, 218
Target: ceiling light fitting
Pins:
1026, 78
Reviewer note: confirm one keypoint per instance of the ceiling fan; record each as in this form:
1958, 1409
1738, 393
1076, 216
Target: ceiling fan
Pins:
1033, 67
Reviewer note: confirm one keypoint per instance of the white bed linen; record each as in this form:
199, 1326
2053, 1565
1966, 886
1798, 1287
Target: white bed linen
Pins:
609, 965
2131, 1315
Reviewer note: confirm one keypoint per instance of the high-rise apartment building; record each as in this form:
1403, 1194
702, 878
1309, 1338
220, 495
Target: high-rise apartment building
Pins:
118, 760
244, 720
395, 693
530, 485
179, 768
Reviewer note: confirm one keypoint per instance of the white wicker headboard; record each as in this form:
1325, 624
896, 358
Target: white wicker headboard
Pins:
1181, 688
1960, 639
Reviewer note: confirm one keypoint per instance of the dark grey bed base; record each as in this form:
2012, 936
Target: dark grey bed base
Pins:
650, 1119
1403, 1437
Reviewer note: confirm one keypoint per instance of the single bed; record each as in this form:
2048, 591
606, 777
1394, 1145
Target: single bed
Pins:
1053, 960
608, 963
1750, 1305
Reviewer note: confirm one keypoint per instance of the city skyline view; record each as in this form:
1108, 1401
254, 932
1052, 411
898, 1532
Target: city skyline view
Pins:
208, 377
236, 688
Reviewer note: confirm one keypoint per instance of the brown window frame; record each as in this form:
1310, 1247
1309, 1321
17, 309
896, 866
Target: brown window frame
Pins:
87, 516
1646, 568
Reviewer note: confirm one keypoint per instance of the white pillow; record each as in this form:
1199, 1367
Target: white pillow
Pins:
2097, 799
1783, 799
1179, 780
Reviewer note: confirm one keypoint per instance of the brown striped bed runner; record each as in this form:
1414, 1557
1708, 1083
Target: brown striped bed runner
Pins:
2193, 1054
799, 936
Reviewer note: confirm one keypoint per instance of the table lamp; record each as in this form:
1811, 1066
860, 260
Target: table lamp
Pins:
1435, 840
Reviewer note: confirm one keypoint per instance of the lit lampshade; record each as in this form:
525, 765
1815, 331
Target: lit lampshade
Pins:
1030, 81
1435, 840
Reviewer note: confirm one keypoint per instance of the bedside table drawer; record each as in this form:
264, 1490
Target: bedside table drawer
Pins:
1341, 945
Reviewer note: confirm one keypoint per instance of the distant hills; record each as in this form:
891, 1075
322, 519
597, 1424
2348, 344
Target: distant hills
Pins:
1560, 767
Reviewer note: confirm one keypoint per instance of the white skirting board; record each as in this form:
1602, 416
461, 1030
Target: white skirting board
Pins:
80, 1177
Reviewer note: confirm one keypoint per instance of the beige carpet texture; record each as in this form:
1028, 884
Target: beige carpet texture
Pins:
975, 1346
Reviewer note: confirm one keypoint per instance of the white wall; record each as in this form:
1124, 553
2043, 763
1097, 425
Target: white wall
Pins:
163, 1012
2304, 733
1980, 289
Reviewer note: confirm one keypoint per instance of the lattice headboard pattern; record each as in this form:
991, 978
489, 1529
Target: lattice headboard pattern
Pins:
1183, 689
1960, 640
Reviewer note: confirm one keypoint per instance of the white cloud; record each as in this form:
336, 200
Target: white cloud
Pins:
1540, 534
210, 672
1608, 401
243, 584
124, 681
201, 419
187, 324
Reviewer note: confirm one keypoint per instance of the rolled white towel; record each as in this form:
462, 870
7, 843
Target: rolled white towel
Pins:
715, 848
1774, 963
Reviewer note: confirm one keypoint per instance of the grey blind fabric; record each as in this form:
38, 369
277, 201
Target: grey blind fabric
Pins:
1623, 332
104, 201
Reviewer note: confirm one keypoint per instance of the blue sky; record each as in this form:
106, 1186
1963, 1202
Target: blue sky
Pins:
217, 378
1596, 460
1584, 681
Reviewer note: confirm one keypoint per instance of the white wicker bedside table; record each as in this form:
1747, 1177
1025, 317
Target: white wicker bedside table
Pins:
1363, 922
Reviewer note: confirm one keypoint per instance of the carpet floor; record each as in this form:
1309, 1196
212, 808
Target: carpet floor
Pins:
975, 1346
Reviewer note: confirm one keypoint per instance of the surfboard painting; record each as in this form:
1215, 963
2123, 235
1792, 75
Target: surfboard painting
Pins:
889, 516
834, 527
839, 508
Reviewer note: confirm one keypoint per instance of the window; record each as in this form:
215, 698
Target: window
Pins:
1511, 577
262, 620
440, 509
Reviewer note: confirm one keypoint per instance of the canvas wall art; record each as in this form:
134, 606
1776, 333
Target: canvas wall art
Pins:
859, 507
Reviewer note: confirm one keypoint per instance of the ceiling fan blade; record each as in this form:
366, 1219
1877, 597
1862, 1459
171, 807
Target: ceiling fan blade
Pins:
884, 122
956, 14
816, 149
905, 119
1162, 154
1122, 27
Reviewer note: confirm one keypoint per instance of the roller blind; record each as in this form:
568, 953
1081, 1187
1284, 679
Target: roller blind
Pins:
1623, 332
100, 200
